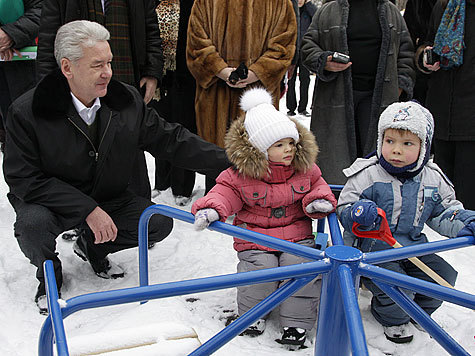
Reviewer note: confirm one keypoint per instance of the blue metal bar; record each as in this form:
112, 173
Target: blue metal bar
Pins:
417, 313
354, 322
332, 332
137, 294
335, 232
55, 310
417, 285
260, 239
321, 225
336, 187
257, 312
418, 250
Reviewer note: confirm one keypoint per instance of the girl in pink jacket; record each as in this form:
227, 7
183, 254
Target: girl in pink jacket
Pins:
274, 187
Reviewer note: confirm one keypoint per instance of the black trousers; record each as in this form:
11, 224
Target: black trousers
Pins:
37, 227
362, 109
304, 79
176, 105
455, 159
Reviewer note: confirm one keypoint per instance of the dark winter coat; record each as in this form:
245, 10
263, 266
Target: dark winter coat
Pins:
49, 159
253, 188
306, 13
20, 75
332, 113
144, 34
451, 93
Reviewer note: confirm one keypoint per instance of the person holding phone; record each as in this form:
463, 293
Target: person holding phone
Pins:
348, 97
451, 91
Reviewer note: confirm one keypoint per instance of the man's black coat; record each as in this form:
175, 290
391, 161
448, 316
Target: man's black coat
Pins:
50, 160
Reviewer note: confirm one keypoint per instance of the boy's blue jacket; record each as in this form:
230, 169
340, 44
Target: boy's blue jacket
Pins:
428, 198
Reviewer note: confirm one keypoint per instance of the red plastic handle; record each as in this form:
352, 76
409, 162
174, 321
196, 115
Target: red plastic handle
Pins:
383, 234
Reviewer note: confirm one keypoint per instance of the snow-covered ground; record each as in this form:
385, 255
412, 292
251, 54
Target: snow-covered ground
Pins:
185, 254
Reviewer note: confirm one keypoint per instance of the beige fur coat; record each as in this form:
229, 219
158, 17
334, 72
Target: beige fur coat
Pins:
224, 33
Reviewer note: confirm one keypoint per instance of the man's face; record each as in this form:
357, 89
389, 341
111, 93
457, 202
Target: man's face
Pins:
89, 76
302, 2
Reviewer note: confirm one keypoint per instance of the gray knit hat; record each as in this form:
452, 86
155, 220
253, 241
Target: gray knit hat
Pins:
412, 117
264, 124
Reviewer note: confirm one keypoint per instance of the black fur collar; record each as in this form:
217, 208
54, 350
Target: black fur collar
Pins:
52, 96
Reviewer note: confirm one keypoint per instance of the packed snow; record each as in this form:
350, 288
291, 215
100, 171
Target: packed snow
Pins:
185, 254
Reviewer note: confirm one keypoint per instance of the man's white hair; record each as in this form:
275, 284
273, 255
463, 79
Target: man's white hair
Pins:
72, 36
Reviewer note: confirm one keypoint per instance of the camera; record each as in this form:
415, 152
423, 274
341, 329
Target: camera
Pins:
430, 57
238, 74
340, 57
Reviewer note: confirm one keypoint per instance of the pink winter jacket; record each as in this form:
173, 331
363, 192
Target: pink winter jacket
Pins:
252, 201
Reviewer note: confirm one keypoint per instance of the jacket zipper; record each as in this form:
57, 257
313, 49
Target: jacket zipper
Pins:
96, 151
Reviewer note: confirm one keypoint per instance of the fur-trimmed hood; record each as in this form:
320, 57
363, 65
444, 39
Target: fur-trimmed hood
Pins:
250, 162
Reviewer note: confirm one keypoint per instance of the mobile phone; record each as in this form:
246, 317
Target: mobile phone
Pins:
430, 57
340, 57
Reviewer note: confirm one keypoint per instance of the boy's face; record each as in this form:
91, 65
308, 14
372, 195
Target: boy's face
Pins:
282, 151
400, 148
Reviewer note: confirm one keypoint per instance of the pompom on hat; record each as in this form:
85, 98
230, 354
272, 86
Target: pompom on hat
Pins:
412, 117
264, 124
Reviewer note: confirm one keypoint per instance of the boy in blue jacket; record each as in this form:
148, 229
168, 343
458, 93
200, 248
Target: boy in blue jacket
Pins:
413, 191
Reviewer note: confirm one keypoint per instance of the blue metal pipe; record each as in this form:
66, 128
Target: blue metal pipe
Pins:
336, 187
354, 322
418, 250
417, 285
321, 225
260, 239
137, 294
418, 314
335, 232
55, 310
332, 332
257, 312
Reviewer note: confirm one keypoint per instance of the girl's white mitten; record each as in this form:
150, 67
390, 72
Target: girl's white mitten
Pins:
319, 206
204, 217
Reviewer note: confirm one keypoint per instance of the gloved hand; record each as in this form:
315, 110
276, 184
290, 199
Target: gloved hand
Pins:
467, 230
319, 206
364, 212
204, 217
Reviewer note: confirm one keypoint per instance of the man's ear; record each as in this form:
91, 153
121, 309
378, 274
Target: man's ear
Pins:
66, 68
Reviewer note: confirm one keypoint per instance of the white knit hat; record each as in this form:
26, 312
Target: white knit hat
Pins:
412, 117
264, 124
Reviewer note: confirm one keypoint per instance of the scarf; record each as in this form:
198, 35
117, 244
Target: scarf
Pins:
448, 41
168, 14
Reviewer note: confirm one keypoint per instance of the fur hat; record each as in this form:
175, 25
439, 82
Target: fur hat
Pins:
412, 117
264, 124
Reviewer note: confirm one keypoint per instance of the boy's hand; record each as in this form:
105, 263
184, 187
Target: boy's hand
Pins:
319, 206
204, 217
467, 230
364, 212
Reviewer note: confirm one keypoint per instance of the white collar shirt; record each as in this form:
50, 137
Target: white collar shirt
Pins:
87, 114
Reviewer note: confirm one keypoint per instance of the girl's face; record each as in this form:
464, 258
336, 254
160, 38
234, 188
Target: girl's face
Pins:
400, 148
282, 151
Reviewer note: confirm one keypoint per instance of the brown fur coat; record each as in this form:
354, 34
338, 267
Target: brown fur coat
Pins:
224, 33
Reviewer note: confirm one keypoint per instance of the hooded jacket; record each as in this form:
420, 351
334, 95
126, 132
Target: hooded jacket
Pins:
409, 204
50, 159
332, 115
258, 192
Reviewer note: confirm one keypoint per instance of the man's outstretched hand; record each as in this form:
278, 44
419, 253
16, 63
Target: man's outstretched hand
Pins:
102, 226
